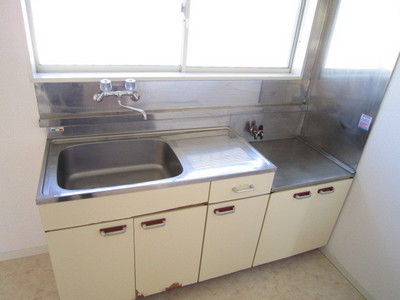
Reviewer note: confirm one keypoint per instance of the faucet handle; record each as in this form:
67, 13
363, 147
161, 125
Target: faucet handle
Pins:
260, 131
253, 131
105, 85
130, 84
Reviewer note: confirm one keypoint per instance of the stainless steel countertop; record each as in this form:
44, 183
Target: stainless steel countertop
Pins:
299, 164
212, 154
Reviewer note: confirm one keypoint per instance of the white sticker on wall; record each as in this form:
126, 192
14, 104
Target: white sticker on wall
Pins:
365, 122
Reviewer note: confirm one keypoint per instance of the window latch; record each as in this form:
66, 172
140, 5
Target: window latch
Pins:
184, 10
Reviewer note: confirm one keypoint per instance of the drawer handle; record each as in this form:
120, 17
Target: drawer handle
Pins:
327, 190
153, 223
302, 195
224, 210
240, 189
113, 230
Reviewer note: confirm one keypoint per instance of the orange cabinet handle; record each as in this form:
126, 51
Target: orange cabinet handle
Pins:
113, 230
327, 190
224, 210
153, 223
302, 195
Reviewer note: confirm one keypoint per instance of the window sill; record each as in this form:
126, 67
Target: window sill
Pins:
153, 76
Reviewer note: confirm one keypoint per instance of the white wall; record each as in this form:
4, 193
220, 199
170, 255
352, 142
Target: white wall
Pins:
22, 141
366, 241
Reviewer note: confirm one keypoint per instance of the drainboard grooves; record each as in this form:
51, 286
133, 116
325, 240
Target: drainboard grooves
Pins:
218, 158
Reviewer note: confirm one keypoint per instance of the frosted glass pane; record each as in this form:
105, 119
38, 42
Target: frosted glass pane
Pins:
366, 35
242, 33
103, 32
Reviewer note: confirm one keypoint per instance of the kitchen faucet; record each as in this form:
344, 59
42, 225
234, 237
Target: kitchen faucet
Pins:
257, 132
130, 86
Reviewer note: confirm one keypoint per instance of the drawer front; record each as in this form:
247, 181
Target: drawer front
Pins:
240, 187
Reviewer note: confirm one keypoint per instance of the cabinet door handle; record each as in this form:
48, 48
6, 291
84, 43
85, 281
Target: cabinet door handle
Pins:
327, 190
224, 210
153, 223
302, 195
113, 230
243, 189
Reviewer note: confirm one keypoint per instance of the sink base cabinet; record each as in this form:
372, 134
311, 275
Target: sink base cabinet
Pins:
151, 253
94, 261
168, 249
299, 220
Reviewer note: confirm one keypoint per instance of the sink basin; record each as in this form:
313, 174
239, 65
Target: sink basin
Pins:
112, 163
101, 166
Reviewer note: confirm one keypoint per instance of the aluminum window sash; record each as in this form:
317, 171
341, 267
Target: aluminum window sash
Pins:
186, 21
297, 33
104, 68
30, 29
235, 70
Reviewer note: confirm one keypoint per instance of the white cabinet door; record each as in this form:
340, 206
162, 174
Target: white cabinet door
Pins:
283, 225
325, 206
94, 261
168, 249
299, 220
231, 236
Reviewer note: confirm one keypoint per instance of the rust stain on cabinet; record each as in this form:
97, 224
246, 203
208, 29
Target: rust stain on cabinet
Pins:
139, 294
175, 285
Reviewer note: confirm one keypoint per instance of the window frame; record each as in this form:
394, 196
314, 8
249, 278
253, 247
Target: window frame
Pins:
297, 61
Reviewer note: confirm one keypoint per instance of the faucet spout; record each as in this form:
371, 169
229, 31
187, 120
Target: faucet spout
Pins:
134, 109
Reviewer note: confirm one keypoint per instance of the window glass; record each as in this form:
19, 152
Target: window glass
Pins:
102, 32
362, 28
242, 33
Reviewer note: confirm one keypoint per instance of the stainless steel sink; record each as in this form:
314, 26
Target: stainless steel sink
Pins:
89, 167
113, 163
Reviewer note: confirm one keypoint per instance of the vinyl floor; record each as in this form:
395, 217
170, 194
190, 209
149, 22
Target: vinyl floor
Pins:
306, 276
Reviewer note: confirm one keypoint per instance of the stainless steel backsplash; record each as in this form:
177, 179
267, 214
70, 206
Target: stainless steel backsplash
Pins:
174, 105
338, 97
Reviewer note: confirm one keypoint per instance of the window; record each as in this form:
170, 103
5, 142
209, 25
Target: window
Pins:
165, 35
360, 44
249, 33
